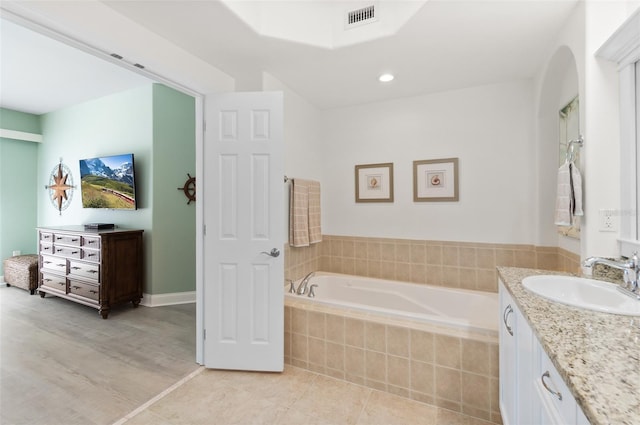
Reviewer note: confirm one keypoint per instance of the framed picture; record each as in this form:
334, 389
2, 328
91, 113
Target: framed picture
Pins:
374, 182
435, 180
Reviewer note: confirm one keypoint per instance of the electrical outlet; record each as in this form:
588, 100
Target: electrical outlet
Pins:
608, 221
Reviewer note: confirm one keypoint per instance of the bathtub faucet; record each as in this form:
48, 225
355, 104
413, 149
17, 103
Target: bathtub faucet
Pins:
630, 267
302, 288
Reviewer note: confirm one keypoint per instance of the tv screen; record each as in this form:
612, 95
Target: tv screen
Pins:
108, 182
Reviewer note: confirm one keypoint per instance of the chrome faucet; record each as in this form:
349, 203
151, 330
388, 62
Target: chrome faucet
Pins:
630, 268
302, 288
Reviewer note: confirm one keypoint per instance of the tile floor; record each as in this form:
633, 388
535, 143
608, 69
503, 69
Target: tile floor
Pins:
296, 396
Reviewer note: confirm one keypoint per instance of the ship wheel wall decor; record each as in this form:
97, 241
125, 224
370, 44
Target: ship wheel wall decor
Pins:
60, 187
189, 189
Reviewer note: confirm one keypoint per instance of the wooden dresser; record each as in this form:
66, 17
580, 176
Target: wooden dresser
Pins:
97, 268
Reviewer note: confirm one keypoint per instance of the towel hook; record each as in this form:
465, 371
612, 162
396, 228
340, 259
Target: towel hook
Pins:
571, 148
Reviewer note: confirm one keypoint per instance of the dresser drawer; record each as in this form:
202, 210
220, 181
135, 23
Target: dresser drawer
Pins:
85, 290
46, 237
52, 281
61, 238
91, 255
85, 270
46, 248
54, 264
91, 242
66, 251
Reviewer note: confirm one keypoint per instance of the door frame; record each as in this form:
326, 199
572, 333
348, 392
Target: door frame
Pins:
36, 24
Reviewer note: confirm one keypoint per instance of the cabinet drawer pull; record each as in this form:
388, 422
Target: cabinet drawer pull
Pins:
74, 240
91, 255
61, 265
76, 268
59, 250
76, 287
90, 242
93, 271
59, 238
544, 384
74, 252
93, 291
48, 280
507, 311
47, 262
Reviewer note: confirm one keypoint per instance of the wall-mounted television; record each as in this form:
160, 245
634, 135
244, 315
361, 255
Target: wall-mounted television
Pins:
108, 182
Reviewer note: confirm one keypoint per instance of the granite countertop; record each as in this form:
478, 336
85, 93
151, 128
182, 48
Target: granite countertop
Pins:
597, 354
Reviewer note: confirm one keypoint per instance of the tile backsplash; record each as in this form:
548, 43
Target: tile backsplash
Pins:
444, 263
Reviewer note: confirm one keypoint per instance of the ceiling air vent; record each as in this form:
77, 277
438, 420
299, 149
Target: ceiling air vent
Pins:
361, 16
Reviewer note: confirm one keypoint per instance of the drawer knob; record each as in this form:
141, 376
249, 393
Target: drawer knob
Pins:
93, 271
93, 291
76, 287
546, 387
61, 265
75, 268
74, 240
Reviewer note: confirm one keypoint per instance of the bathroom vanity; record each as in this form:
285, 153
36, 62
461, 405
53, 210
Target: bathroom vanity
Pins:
564, 365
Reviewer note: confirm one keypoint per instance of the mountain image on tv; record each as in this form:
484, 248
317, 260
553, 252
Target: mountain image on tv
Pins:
108, 182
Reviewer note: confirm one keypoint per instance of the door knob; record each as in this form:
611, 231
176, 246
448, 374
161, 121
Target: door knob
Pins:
274, 253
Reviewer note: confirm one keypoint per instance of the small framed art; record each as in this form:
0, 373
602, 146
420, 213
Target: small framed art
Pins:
435, 180
374, 182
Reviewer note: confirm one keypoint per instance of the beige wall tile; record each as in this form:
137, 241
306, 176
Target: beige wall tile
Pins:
418, 273
299, 321
434, 254
317, 352
398, 341
335, 355
373, 251
316, 324
388, 270
476, 391
375, 366
373, 269
348, 249
354, 332
335, 328
354, 361
476, 357
398, 371
447, 350
375, 337
450, 256
299, 347
423, 377
422, 346
486, 258
418, 253
388, 252
448, 384
403, 253
468, 257
403, 272
435, 275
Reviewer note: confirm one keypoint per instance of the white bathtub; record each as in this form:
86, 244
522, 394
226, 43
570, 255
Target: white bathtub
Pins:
461, 309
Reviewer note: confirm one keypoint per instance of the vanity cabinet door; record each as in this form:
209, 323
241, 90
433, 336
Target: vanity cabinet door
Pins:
507, 359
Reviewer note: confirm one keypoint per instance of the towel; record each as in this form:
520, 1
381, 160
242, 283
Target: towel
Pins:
315, 230
304, 213
569, 194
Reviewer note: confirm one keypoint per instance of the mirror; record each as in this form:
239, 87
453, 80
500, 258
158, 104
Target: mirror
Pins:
569, 129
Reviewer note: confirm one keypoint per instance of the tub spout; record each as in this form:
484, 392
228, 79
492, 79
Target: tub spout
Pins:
302, 288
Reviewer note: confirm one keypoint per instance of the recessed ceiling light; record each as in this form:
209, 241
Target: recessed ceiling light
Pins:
385, 78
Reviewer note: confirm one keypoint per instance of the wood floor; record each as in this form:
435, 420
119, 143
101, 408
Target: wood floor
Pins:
61, 363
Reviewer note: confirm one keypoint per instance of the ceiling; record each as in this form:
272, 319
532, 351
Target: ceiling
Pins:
440, 45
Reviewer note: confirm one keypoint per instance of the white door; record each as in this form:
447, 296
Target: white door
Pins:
244, 218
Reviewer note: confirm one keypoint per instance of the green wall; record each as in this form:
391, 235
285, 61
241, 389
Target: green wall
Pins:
126, 122
18, 186
174, 156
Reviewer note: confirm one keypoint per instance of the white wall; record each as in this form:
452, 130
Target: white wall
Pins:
583, 33
488, 128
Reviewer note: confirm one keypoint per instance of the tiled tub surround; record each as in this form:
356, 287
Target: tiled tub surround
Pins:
596, 353
444, 263
449, 368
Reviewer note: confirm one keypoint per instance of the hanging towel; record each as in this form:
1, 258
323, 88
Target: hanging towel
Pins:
299, 213
304, 213
315, 230
576, 186
569, 194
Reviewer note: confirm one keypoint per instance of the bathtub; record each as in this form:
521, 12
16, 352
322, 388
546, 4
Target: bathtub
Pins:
422, 342
458, 309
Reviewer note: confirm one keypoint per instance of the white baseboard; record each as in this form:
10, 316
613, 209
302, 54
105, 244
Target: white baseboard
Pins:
173, 298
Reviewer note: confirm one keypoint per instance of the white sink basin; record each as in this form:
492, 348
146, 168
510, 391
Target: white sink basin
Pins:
585, 293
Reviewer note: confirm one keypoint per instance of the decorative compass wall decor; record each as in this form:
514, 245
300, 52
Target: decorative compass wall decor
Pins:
60, 187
